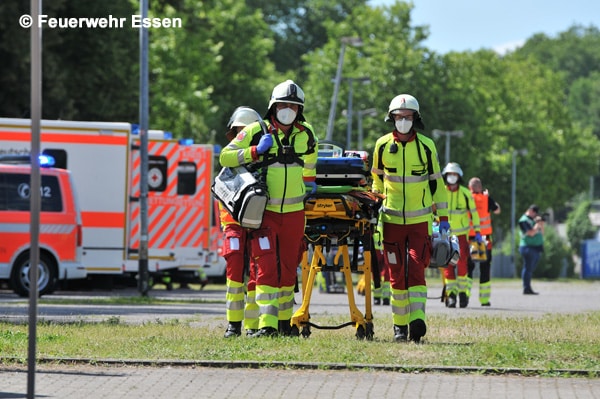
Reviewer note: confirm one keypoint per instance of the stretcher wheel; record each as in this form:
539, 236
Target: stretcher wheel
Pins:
360, 332
306, 331
370, 332
294, 332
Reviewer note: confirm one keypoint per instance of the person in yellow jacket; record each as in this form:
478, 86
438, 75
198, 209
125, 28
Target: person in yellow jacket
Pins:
485, 205
287, 155
406, 171
240, 296
462, 214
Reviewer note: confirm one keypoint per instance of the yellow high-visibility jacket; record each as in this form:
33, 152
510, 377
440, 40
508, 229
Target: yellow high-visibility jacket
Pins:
409, 175
462, 211
288, 165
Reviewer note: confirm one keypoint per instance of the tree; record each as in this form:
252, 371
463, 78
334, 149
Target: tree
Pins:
579, 225
298, 27
88, 74
202, 72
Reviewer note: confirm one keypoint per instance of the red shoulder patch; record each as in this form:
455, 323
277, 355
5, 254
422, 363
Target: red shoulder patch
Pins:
241, 135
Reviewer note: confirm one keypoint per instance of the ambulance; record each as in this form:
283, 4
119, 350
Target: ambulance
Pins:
105, 162
60, 226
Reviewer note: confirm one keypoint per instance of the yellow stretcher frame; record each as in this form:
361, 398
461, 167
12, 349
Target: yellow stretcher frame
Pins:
336, 223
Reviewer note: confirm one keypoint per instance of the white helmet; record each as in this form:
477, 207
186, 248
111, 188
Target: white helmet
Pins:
243, 116
287, 92
405, 101
452, 167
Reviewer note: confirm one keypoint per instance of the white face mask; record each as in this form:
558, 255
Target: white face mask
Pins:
286, 116
451, 179
403, 126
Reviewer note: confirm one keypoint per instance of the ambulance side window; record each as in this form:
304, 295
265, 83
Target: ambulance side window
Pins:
16, 193
60, 157
186, 178
157, 173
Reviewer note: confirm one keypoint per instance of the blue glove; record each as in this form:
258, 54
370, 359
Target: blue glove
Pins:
312, 185
265, 143
478, 238
444, 227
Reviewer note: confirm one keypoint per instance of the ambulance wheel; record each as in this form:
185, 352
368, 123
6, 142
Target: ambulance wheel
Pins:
370, 332
47, 275
360, 332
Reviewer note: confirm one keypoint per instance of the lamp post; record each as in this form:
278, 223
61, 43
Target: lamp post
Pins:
513, 200
364, 80
361, 113
437, 133
353, 41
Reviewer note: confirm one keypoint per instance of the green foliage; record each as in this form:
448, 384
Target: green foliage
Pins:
202, 72
579, 225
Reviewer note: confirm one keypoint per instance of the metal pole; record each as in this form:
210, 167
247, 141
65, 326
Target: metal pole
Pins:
336, 88
513, 196
360, 130
143, 274
349, 114
35, 184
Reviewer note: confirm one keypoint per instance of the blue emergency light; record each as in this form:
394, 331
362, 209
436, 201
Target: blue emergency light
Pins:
186, 141
46, 161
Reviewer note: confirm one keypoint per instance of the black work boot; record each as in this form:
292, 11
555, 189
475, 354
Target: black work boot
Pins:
234, 329
400, 333
265, 332
376, 301
417, 330
463, 299
451, 301
285, 328
386, 301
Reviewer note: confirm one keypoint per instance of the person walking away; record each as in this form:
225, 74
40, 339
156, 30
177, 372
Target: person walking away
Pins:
485, 205
288, 152
462, 214
406, 171
240, 296
531, 244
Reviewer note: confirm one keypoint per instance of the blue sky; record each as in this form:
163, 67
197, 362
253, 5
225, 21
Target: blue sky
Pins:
461, 25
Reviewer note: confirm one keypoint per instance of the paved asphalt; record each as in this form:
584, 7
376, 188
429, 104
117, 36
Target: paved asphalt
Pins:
192, 381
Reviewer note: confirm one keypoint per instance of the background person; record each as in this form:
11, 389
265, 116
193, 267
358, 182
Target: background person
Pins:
531, 244
485, 205
406, 171
462, 214
288, 157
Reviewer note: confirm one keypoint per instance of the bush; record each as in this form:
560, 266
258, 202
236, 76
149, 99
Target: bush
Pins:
579, 226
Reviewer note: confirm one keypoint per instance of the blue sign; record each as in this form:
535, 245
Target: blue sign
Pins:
590, 259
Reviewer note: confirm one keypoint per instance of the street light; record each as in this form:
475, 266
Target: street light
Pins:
437, 133
353, 41
365, 80
513, 201
361, 113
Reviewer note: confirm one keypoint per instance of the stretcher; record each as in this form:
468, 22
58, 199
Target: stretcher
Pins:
342, 218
